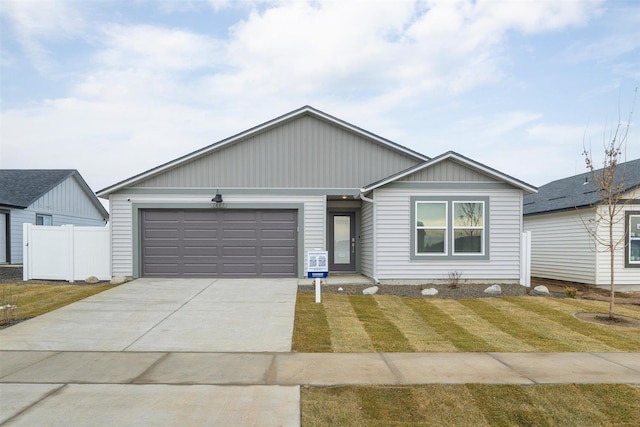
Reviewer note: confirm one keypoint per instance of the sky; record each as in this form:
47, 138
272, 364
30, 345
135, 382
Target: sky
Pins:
114, 88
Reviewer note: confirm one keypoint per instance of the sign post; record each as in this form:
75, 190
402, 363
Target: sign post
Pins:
317, 268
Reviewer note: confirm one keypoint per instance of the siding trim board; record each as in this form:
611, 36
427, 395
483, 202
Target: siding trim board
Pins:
257, 191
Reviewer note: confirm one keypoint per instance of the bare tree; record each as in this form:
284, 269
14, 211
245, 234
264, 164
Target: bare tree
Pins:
609, 182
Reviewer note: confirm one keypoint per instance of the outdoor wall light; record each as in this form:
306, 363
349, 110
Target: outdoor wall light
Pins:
217, 198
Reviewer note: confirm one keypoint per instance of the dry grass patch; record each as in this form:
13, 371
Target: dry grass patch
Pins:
34, 300
447, 327
514, 322
419, 335
347, 332
584, 336
384, 335
317, 338
477, 325
472, 404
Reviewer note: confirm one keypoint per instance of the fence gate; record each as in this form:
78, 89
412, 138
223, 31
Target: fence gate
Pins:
66, 253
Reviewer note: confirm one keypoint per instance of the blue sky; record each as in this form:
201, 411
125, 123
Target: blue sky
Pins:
113, 88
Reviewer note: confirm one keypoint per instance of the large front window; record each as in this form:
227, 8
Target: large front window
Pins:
633, 239
451, 228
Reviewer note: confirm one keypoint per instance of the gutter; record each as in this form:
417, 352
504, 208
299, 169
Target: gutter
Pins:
362, 197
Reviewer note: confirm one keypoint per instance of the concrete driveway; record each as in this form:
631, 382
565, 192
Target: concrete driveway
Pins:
210, 315
126, 329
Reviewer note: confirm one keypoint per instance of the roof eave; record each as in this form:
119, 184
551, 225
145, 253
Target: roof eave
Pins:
104, 193
453, 155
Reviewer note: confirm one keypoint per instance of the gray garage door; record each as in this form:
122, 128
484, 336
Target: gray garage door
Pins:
219, 243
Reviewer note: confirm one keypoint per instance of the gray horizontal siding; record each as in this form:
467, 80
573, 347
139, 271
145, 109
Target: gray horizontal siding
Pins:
303, 153
623, 276
561, 248
447, 171
393, 230
122, 221
366, 240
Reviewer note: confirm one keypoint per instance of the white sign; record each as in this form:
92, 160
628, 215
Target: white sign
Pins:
318, 263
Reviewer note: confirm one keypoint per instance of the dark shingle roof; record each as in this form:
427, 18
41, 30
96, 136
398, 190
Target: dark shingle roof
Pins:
21, 187
577, 191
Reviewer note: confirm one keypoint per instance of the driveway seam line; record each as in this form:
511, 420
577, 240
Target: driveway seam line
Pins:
25, 409
153, 365
55, 353
169, 315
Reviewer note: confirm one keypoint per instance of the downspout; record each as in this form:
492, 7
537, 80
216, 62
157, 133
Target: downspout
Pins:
362, 197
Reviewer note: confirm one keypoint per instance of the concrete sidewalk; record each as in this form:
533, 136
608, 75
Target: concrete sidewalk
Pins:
321, 369
166, 388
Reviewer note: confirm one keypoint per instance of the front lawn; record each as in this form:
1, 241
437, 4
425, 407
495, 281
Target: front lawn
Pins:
386, 323
472, 405
35, 299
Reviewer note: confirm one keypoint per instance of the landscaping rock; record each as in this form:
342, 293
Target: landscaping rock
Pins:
118, 280
540, 290
493, 290
370, 291
429, 292
91, 280
340, 289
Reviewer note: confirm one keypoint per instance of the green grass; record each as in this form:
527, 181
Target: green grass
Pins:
472, 405
384, 323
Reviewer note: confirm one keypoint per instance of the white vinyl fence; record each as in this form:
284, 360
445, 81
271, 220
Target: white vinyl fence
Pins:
525, 260
66, 253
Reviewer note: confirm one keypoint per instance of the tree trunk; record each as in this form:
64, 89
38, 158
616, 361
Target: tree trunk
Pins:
612, 249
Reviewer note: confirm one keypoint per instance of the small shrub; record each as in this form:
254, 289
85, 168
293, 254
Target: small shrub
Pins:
453, 278
8, 305
570, 291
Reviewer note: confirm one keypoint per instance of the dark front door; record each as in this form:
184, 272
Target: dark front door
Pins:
342, 241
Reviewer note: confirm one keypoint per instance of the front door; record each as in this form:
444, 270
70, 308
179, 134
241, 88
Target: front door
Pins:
342, 241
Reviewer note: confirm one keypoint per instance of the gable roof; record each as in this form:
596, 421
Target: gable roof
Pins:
578, 191
458, 158
306, 110
19, 188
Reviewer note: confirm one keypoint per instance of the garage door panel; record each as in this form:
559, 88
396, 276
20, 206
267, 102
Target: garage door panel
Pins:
210, 243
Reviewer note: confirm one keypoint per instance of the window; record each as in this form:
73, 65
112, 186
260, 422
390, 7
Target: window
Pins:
468, 226
449, 227
431, 228
44, 219
633, 239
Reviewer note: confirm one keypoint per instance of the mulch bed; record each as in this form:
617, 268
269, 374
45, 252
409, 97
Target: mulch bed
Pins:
464, 290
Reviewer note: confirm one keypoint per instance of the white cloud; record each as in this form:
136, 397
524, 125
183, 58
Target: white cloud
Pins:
36, 23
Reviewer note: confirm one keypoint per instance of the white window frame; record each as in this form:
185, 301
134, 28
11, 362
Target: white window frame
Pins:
454, 228
630, 238
43, 217
445, 252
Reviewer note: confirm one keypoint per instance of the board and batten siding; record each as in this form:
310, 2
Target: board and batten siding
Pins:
366, 240
447, 171
561, 249
303, 153
122, 220
393, 230
622, 275
67, 203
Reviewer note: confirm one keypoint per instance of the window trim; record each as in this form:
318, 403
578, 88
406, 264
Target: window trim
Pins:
449, 243
43, 216
627, 237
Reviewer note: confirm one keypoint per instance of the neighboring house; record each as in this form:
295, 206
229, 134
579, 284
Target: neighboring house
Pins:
43, 197
253, 204
561, 247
